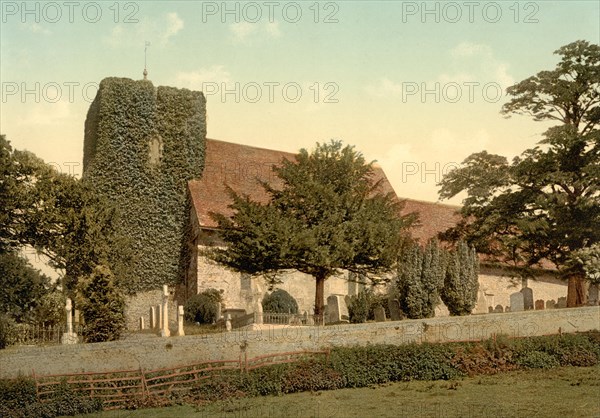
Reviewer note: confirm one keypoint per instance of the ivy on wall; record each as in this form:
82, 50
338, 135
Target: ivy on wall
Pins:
142, 145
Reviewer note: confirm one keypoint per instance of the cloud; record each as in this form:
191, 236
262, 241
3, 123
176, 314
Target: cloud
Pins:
384, 87
35, 28
194, 79
477, 63
156, 31
246, 32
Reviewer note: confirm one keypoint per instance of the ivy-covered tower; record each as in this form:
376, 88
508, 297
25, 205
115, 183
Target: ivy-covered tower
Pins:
142, 145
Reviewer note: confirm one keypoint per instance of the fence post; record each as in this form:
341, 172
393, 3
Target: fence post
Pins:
37, 391
144, 385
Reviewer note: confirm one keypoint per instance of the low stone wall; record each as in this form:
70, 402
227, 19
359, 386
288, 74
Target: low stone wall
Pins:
151, 352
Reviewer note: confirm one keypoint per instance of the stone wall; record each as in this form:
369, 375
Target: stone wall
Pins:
150, 352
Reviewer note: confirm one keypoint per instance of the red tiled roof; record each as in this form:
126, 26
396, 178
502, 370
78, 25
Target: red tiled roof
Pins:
239, 166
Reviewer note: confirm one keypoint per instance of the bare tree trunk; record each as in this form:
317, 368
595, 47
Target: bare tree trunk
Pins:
576, 292
320, 295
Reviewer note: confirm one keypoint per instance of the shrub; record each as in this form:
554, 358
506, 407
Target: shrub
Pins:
6, 331
202, 308
461, 281
280, 301
103, 306
361, 307
538, 360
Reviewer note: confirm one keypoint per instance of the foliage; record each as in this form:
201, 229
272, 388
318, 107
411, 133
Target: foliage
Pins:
279, 301
142, 146
361, 307
329, 214
102, 304
22, 287
202, 308
461, 280
50, 310
6, 330
420, 277
58, 216
18, 399
588, 260
546, 203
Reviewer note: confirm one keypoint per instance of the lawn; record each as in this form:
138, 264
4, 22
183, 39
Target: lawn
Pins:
560, 392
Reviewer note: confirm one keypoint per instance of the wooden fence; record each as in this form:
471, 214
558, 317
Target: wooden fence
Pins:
117, 388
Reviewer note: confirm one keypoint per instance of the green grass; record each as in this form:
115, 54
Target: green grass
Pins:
560, 392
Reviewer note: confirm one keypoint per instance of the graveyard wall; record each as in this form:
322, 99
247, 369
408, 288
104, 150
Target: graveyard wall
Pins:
150, 352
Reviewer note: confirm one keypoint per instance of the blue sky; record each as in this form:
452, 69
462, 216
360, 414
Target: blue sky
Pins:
295, 72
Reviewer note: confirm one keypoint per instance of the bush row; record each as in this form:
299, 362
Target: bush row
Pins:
358, 366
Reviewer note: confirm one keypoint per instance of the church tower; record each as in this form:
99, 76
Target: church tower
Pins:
142, 145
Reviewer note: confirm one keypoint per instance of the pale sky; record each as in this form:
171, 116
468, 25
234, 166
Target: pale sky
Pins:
417, 86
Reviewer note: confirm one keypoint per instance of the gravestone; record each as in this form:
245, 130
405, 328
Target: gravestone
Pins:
180, 330
490, 309
152, 317
498, 309
539, 305
550, 304
164, 330
480, 306
395, 312
516, 302
337, 311
159, 320
379, 313
562, 302
593, 295
219, 314
228, 322
507, 309
527, 298
142, 324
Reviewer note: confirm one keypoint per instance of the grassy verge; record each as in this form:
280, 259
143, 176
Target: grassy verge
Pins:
562, 391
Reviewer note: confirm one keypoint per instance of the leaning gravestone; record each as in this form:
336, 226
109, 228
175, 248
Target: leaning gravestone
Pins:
550, 304
379, 313
498, 309
539, 305
395, 312
527, 298
562, 302
516, 302
337, 311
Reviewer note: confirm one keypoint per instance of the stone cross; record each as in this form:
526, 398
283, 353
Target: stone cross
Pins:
165, 332
69, 337
68, 308
180, 331
258, 312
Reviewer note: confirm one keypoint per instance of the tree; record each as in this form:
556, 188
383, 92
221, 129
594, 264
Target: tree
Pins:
22, 288
461, 279
328, 215
420, 278
59, 216
102, 304
546, 203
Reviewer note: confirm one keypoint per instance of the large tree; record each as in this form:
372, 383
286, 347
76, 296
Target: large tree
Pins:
328, 215
59, 216
546, 203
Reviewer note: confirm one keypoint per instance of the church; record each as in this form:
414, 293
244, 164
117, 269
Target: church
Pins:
146, 149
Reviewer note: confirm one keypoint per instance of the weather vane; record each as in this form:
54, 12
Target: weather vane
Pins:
145, 55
